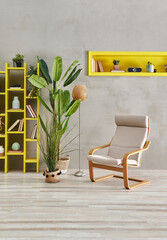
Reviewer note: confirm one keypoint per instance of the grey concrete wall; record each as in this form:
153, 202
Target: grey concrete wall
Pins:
70, 28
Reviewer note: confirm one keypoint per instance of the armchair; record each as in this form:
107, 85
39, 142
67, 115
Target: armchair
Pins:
125, 149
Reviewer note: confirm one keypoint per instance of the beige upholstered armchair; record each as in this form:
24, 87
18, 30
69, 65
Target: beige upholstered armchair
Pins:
125, 149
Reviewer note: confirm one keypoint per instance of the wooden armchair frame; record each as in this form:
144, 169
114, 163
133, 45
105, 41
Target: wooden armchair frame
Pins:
121, 168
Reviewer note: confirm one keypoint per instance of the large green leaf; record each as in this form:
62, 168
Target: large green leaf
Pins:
37, 81
71, 103
70, 67
59, 103
67, 99
44, 104
44, 69
43, 126
57, 69
73, 108
72, 78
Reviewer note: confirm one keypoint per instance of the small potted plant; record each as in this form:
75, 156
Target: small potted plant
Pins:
116, 64
150, 67
18, 61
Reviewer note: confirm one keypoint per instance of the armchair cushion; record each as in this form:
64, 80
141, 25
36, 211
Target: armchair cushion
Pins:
109, 161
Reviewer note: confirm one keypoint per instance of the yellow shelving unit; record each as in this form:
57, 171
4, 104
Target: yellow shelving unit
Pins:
10, 115
128, 59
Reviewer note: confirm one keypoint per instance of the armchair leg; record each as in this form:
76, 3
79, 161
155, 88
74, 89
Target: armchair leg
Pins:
126, 180
91, 174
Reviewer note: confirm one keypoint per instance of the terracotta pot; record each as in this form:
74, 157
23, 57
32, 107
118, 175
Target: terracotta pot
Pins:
52, 177
80, 92
116, 67
63, 163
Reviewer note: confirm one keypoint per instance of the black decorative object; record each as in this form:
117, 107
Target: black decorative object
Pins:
134, 69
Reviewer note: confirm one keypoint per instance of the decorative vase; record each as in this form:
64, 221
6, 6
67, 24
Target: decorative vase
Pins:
16, 146
116, 67
150, 68
63, 163
52, 177
16, 103
18, 64
1, 151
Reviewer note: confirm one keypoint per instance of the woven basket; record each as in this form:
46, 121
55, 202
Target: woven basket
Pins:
63, 163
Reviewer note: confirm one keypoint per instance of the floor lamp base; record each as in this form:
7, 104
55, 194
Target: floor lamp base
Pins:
79, 174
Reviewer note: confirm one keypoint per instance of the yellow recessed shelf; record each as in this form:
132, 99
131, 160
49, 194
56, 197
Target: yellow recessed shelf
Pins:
128, 59
8, 137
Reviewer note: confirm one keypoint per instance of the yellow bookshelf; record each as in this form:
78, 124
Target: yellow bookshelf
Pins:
128, 59
10, 116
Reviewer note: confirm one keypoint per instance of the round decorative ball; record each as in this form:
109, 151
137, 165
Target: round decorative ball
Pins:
80, 92
16, 146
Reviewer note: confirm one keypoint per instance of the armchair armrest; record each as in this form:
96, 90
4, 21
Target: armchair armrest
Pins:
146, 146
98, 148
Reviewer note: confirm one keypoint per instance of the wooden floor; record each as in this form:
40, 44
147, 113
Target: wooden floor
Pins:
76, 208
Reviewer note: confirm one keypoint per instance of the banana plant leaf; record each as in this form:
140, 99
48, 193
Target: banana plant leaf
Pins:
73, 108
44, 104
70, 67
57, 69
44, 69
37, 81
72, 78
61, 102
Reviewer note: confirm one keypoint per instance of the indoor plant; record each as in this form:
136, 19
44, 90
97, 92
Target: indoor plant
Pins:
150, 67
116, 64
18, 60
60, 109
32, 89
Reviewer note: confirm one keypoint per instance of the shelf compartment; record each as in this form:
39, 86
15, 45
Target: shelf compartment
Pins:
31, 140
31, 97
15, 111
15, 90
128, 59
2, 136
15, 132
18, 153
31, 160
31, 118
15, 68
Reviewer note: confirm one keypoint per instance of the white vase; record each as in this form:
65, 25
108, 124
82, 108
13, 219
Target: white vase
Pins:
1, 151
16, 103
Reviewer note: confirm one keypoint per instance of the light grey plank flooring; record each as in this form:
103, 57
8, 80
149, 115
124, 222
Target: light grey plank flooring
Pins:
76, 208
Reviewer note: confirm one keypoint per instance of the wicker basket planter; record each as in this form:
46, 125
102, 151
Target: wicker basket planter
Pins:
63, 163
52, 177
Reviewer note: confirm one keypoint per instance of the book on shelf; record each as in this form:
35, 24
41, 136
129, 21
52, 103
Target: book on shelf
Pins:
14, 125
97, 66
20, 128
101, 69
34, 132
31, 111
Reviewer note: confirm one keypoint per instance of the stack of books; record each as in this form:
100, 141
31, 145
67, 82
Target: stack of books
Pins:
97, 66
20, 128
34, 132
31, 111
